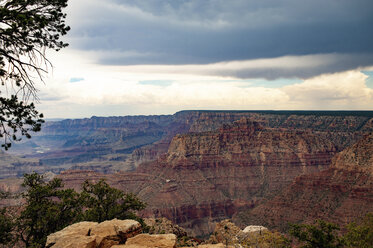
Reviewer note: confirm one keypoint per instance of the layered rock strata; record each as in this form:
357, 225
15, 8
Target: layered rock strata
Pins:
208, 176
110, 144
340, 194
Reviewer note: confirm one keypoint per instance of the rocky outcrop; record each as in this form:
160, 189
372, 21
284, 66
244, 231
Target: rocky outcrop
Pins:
76, 235
163, 225
150, 241
92, 234
230, 235
113, 233
341, 194
251, 229
358, 157
150, 152
225, 232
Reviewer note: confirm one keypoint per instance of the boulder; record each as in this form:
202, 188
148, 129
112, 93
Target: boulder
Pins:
251, 233
220, 245
91, 234
75, 241
114, 232
73, 232
150, 241
250, 229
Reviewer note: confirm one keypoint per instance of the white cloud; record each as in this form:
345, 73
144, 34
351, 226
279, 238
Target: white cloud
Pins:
345, 90
106, 88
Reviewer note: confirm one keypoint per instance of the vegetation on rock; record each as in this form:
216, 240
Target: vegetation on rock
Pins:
6, 227
360, 235
321, 234
265, 239
324, 234
49, 208
105, 203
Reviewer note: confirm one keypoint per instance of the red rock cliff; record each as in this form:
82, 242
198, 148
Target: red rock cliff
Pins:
206, 177
341, 194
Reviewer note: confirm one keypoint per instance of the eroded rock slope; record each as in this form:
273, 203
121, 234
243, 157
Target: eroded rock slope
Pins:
341, 194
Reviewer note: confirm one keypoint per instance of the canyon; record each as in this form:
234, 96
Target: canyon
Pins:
340, 194
197, 168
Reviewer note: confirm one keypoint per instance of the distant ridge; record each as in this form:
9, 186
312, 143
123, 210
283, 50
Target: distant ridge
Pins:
366, 113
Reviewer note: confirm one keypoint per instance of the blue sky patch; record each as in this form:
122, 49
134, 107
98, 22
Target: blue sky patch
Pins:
369, 81
76, 79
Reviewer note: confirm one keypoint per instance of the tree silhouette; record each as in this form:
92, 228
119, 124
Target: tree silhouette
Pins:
27, 29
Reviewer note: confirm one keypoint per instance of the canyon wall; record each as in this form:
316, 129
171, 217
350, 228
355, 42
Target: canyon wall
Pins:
199, 167
340, 194
208, 176
109, 144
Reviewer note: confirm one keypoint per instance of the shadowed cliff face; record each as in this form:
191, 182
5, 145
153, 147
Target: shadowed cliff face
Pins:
208, 176
341, 194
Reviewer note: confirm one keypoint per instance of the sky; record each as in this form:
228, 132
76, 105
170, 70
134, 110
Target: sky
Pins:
133, 57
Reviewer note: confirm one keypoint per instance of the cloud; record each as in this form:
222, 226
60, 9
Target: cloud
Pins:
118, 91
306, 66
346, 90
156, 82
212, 31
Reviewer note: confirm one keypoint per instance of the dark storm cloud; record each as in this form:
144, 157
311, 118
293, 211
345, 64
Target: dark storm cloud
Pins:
210, 31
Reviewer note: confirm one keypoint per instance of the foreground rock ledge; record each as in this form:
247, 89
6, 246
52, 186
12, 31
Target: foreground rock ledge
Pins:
113, 234
93, 234
149, 241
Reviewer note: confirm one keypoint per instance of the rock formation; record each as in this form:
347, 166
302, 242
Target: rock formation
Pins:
208, 176
230, 235
199, 167
340, 194
63, 144
163, 225
225, 232
92, 234
150, 241
127, 234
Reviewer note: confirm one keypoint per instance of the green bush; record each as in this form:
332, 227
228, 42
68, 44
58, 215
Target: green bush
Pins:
105, 203
360, 235
49, 208
320, 235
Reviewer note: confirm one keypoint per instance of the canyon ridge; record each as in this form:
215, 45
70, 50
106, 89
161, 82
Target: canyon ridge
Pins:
197, 168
